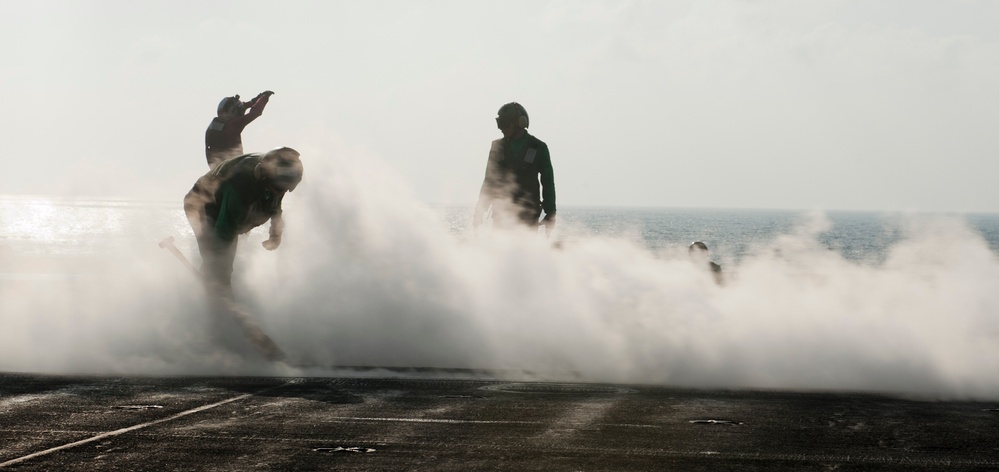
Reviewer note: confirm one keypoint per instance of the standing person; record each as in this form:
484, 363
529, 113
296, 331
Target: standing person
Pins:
698, 252
223, 138
236, 196
511, 185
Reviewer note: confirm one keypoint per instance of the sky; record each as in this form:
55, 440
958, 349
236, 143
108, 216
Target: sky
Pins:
834, 105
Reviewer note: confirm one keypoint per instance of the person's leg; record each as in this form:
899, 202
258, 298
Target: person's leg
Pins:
216, 256
216, 267
199, 222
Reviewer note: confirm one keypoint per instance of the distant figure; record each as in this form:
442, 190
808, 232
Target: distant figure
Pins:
699, 254
236, 196
223, 139
511, 185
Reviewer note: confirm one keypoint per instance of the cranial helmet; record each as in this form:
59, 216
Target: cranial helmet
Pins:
283, 168
512, 113
697, 246
230, 105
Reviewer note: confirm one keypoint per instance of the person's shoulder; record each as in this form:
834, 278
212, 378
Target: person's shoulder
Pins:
216, 124
534, 142
254, 157
247, 163
236, 165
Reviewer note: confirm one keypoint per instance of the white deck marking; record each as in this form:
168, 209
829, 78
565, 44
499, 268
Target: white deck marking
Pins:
459, 421
121, 431
429, 420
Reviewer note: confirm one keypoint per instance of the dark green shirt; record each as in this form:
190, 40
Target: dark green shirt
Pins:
234, 199
523, 160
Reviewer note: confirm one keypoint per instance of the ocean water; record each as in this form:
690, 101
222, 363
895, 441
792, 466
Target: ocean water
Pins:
901, 303
731, 234
56, 227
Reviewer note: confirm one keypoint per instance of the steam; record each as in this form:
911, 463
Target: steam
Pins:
367, 276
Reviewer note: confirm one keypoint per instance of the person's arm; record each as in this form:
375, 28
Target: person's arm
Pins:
276, 229
547, 182
485, 199
259, 103
256, 109
488, 182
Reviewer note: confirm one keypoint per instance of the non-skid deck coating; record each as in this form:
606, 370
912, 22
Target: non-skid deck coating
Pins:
218, 423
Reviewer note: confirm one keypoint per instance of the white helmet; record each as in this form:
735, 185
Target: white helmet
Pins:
283, 168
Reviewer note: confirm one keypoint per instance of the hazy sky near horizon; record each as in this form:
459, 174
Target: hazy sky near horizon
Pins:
840, 105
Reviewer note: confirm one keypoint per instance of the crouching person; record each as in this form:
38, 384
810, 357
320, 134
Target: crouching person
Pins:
239, 194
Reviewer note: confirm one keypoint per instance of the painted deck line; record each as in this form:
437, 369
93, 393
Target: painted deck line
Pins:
129, 429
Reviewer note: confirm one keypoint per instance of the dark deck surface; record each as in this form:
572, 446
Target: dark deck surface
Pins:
219, 423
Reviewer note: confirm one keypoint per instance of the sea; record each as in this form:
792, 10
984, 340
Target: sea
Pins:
63, 227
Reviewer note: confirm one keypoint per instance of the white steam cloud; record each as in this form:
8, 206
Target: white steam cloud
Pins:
367, 276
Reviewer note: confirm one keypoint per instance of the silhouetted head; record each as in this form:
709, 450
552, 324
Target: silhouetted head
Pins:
512, 118
698, 246
230, 106
282, 168
698, 252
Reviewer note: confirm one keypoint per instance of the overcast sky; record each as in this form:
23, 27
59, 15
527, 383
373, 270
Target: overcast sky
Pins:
853, 105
